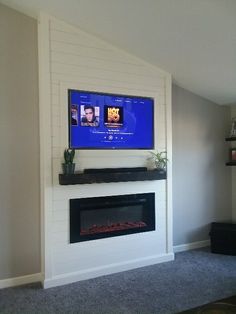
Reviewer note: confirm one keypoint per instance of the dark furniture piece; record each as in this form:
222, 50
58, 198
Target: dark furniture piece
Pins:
223, 238
230, 162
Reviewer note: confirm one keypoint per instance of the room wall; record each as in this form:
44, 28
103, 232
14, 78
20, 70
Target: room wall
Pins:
74, 59
201, 181
233, 171
19, 134
200, 197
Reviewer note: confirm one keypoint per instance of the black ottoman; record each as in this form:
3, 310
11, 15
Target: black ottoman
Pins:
223, 238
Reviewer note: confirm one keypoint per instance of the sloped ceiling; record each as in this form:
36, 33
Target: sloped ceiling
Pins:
194, 40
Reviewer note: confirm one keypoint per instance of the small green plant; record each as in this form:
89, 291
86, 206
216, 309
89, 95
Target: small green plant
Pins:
68, 166
159, 159
69, 155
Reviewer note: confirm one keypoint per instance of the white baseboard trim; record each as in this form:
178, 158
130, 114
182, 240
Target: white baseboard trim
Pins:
191, 246
105, 270
100, 271
22, 280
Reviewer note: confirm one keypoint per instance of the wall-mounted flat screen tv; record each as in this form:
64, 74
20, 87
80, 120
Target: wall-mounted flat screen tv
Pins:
110, 121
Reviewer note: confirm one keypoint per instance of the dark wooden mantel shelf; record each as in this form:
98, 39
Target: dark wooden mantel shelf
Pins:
88, 178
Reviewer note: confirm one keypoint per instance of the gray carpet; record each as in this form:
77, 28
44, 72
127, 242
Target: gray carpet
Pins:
195, 277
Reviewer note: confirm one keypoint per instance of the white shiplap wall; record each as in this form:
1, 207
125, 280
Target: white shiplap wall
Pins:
70, 58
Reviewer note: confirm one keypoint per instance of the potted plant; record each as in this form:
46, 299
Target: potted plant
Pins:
68, 166
160, 160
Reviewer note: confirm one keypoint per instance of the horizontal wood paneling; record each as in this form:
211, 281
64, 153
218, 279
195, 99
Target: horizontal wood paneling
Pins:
82, 61
90, 52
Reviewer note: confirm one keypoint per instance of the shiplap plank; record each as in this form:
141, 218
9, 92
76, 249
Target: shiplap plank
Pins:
84, 71
55, 99
56, 120
78, 77
83, 38
61, 205
77, 39
90, 85
56, 152
72, 252
55, 130
81, 50
60, 226
55, 88
60, 238
90, 59
60, 215
64, 193
108, 86
97, 68
56, 141
55, 110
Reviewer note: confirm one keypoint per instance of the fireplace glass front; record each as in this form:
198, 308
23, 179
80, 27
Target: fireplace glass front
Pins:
102, 217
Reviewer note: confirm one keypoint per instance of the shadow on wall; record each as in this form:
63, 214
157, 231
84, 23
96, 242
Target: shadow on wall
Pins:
19, 137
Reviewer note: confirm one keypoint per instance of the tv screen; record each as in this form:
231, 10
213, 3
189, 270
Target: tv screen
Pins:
109, 121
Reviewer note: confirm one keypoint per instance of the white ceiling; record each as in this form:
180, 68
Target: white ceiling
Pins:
194, 40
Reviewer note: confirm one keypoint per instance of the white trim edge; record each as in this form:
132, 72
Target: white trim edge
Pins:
72, 277
106, 270
22, 280
191, 246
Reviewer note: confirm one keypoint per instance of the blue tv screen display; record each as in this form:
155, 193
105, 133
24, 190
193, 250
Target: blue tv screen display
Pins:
107, 121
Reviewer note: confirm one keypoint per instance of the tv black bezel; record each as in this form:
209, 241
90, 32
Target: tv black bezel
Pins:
114, 95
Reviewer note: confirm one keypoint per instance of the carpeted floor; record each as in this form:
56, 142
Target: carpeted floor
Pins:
195, 278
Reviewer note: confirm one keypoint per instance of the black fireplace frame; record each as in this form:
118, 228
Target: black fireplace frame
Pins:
76, 205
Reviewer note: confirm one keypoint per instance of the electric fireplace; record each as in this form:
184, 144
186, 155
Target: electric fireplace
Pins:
102, 217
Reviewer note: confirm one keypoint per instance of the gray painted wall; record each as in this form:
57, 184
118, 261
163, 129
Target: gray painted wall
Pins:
233, 170
201, 181
19, 142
